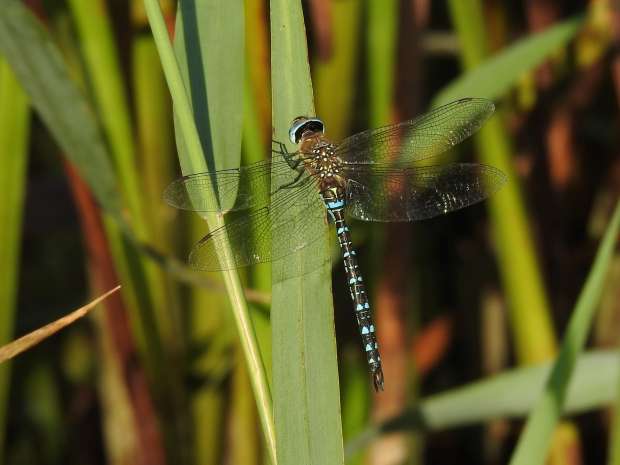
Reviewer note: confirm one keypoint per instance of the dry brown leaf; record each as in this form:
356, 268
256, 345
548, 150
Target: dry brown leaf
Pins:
18, 346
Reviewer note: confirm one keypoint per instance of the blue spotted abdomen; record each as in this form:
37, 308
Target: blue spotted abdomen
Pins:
357, 288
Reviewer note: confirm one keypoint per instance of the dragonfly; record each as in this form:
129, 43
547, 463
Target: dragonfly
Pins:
377, 175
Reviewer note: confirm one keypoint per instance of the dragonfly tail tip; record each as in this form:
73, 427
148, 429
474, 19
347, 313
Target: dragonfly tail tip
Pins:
377, 379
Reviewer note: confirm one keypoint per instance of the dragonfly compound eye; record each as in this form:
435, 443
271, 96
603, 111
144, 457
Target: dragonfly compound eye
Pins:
301, 125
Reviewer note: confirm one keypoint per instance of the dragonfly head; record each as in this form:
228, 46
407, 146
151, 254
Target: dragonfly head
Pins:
302, 125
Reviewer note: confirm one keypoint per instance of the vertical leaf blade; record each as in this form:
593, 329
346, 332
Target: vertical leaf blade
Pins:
209, 45
305, 372
14, 131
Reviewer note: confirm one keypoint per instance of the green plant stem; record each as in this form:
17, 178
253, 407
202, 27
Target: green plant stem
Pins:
190, 135
14, 131
154, 130
614, 436
382, 34
334, 103
260, 278
528, 304
104, 71
153, 323
92, 20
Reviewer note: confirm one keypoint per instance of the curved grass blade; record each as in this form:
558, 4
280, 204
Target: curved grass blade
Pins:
209, 46
534, 441
305, 371
500, 73
41, 70
506, 395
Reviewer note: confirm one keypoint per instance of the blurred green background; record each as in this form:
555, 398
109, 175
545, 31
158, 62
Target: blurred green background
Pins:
156, 374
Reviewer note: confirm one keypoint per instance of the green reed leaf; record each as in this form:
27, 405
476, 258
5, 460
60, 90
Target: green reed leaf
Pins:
305, 371
534, 441
507, 395
14, 137
498, 74
40, 69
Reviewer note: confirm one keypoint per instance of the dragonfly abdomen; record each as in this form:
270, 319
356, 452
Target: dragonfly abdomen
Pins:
361, 304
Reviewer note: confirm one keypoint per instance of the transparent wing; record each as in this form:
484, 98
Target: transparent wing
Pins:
236, 189
250, 233
381, 193
419, 138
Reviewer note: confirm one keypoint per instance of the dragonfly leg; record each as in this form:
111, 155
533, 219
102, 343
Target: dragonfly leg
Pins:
281, 148
293, 183
283, 151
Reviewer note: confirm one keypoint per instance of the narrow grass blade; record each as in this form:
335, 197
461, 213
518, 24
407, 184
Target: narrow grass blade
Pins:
153, 321
334, 103
125, 394
103, 69
499, 74
121, 446
613, 448
305, 371
14, 135
528, 304
506, 395
209, 46
213, 76
24, 343
155, 140
194, 161
534, 441
68, 115
530, 319
355, 401
255, 149
382, 34
244, 440
41, 71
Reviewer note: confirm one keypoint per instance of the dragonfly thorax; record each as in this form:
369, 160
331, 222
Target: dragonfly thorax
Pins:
322, 162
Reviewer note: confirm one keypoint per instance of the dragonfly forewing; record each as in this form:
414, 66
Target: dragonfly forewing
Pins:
426, 136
